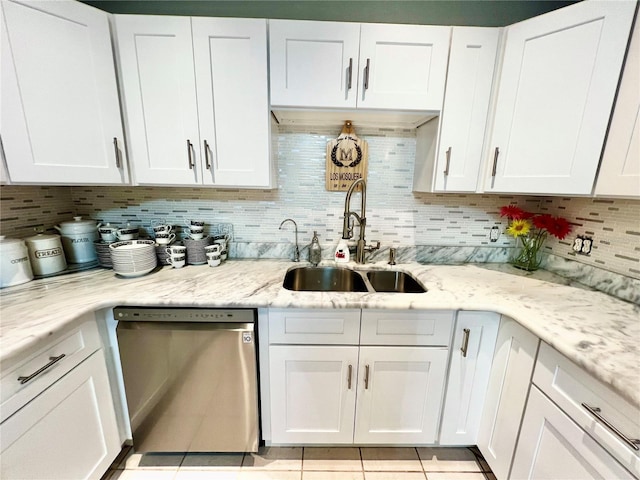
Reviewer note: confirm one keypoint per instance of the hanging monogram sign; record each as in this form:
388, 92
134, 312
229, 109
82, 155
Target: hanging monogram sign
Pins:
346, 160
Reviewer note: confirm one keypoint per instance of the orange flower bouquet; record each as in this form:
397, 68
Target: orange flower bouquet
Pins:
532, 230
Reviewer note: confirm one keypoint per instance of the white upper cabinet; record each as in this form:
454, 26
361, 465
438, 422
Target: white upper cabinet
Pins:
402, 67
348, 65
620, 168
558, 81
158, 80
313, 63
464, 115
233, 100
60, 119
194, 91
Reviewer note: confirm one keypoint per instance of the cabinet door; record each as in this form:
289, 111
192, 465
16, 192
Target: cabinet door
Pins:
471, 357
400, 392
158, 83
466, 105
313, 394
559, 77
68, 431
619, 173
509, 382
313, 64
402, 67
551, 445
233, 105
60, 115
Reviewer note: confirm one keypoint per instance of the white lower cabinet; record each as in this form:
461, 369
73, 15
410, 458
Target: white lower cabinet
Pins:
552, 446
67, 432
399, 394
472, 349
313, 393
345, 391
509, 382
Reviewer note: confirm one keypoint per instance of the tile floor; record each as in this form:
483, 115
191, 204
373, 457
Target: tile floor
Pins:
308, 463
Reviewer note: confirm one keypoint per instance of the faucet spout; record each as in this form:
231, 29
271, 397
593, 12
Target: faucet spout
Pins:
296, 253
347, 228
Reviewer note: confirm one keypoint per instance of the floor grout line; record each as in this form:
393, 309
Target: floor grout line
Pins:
121, 461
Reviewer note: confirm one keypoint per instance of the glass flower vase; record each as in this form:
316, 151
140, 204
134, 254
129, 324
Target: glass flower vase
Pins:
527, 255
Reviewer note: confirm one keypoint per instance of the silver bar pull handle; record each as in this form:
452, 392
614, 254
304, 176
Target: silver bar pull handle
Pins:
595, 411
366, 377
349, 374
350, 74
190, 155
53, 361
495, 162
448, 157
366, 75
465, 341
207, 160
117, 150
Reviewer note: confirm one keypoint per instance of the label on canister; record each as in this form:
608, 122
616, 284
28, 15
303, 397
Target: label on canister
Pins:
46, 256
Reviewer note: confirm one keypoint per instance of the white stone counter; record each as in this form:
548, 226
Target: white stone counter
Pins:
597, 331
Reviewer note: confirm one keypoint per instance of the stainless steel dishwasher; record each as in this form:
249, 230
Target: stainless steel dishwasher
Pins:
190, 378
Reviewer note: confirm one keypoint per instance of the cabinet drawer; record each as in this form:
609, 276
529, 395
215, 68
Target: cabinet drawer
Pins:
328, 327
569, 386
402, 327
67, 432
70, 348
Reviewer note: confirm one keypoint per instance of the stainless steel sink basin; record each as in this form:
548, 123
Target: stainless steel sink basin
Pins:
337, 279
392, 281
324, 279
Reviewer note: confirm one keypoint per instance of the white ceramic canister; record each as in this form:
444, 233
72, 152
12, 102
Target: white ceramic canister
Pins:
15, 266
46, 254
78, 236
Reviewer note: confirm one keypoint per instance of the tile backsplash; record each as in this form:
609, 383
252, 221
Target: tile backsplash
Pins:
25, 208
395, 215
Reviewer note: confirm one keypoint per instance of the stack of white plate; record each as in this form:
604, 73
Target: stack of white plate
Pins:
132, 258
195, 250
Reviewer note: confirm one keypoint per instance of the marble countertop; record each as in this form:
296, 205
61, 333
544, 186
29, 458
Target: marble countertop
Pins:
597, 331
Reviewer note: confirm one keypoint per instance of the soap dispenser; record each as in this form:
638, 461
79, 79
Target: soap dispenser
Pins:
315, 252
342, 251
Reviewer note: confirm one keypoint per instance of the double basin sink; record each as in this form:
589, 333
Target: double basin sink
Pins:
338, 279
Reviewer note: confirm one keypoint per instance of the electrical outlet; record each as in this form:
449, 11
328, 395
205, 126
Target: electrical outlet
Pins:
582, 245
494, 234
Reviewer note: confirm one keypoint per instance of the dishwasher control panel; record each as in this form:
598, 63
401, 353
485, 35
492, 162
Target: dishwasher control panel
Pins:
159, 314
